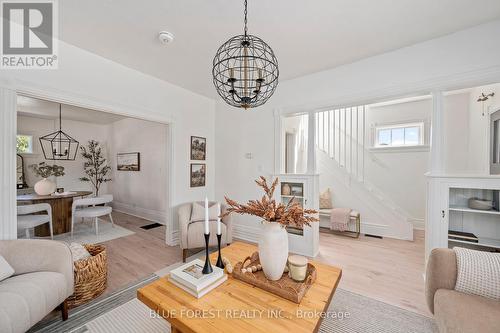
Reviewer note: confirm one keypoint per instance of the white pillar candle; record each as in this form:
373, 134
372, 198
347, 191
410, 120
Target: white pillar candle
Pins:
219, 232
207, 229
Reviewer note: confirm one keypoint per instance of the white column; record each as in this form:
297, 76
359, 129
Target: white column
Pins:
8, 131
311, 146
279, 143
437, 134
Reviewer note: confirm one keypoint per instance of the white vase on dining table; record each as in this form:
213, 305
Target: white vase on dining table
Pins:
45, 187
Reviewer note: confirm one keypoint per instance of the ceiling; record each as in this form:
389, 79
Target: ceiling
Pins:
307, 36
33, 107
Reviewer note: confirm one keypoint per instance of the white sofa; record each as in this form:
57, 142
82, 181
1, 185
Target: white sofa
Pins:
42, 281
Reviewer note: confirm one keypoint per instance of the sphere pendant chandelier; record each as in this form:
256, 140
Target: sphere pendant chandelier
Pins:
245, 70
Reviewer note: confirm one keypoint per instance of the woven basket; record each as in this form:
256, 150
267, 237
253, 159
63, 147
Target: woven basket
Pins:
91, 276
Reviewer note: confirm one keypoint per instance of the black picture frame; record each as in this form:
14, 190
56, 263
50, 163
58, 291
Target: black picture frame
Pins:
135, 157
198, 175
198, 151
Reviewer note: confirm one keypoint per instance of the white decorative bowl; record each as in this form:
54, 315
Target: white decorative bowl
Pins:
480, 204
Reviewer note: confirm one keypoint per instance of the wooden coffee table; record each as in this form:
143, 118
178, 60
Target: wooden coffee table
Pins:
236, 306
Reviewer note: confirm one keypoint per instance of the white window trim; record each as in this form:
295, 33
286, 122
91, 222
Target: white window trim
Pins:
422, 146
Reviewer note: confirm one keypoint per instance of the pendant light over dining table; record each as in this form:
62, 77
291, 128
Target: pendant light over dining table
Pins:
59, 145
245, 70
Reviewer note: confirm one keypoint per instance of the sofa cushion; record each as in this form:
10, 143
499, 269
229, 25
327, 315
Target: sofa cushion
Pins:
478, 273
196, 231
27, 298
459, 312
198, 212
6, 270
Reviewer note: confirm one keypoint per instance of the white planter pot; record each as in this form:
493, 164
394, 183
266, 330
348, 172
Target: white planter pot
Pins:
45, 187
273, 250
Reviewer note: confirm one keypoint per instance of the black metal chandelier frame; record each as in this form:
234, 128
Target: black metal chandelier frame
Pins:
62, 145
245, 70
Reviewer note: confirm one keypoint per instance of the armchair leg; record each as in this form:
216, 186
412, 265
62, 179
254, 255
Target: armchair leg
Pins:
64, 310
184, 254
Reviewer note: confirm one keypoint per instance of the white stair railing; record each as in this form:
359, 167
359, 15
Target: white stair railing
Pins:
341, 134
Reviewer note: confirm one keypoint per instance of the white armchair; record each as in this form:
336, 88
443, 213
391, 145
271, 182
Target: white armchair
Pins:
191, 232
26, 220
88, 207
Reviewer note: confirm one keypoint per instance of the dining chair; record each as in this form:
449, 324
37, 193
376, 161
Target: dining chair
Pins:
26, 220
90, 207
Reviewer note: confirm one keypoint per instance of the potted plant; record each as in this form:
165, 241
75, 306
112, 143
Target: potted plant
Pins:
273, 244
95, 166
46, 186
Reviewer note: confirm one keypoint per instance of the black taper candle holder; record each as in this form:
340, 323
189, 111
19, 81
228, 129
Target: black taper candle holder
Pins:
207, 269
219, 263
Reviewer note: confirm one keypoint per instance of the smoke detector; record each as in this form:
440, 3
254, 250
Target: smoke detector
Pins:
166, 37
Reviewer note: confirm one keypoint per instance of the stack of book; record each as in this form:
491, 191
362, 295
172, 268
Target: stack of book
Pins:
190, 278
462, 236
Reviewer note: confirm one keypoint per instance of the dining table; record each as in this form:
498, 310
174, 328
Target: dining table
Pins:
61, 205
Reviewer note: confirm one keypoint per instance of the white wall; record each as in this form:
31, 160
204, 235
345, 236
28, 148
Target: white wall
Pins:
458, 60
143, 193
456, 132
399, 173
94, 82
82, 132
478, 125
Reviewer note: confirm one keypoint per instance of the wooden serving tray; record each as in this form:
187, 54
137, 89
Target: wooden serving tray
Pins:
284, 287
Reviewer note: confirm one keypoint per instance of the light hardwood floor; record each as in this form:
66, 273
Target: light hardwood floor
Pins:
136, 256
385, 269
388, 270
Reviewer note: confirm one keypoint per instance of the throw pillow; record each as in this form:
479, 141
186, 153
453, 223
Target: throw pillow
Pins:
78, 252
325, 200
6, 270
478, 273
198, 212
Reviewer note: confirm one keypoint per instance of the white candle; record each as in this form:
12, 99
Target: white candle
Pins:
207, 229
218, 220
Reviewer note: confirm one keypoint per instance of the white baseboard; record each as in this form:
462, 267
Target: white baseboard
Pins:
175, 238
144, 213
418, 223
252, 233
246, 232
375, 229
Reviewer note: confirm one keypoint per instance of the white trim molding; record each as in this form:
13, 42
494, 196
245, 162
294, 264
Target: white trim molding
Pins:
8, 130
418, 223
249, 233
144, 213
8, 118
175, 238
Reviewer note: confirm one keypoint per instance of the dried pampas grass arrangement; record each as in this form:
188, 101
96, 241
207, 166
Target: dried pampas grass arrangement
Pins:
266, 208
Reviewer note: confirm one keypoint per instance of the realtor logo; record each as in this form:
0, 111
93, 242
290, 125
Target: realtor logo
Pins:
28, 34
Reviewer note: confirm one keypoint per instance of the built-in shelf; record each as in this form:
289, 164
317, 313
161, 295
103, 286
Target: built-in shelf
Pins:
482, 241
470, 210
292, 196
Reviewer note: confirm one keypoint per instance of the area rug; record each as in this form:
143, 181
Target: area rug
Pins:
84, 233
348, 313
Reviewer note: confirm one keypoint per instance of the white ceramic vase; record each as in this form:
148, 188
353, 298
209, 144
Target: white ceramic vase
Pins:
273, 250
45, 187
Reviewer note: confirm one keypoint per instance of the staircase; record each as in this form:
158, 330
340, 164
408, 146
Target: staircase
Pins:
340, 141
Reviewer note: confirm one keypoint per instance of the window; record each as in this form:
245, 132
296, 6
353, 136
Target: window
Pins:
24, 144
401, 135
